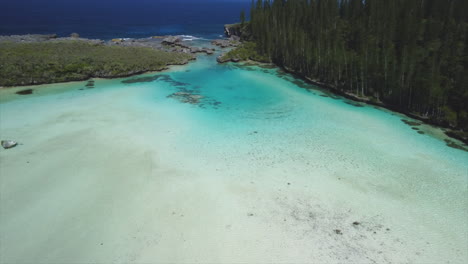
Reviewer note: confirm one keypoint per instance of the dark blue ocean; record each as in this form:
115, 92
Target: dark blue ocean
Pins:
107, 19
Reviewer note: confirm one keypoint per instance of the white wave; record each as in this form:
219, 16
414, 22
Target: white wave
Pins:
190, 38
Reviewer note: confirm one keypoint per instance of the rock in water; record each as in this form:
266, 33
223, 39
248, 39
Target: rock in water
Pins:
171, 40
7, 144
25, 92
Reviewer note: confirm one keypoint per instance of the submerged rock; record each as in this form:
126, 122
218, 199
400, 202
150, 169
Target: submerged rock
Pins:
455, 145
25, 92
460, 135
410, 123
7, 144
186, 97
142, 79
354, 104
90, 84
338, 232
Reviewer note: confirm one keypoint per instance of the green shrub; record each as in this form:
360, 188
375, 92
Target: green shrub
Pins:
247, 51
48, 62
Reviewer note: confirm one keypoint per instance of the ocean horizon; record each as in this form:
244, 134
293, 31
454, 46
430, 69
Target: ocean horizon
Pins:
119, 19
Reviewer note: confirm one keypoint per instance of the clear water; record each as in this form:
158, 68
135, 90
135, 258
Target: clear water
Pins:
264, 169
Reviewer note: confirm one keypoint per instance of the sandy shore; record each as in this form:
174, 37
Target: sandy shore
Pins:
121, 174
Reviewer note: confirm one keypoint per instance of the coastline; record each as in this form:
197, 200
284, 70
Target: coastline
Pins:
176, 46
35, 85
449, 131
234, 31
85, 59
134, 176
39, 85
154, 137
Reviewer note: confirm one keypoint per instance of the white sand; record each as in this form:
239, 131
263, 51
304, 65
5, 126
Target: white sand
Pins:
110, 177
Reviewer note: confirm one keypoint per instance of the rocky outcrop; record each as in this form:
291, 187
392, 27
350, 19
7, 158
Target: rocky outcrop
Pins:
177, 45
209, 51
172, 44
223, 58
201, 50
233, 30
172, 40
166, 43
226, 43
239, 31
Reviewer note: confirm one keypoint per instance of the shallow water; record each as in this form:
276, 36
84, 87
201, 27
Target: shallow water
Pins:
260, 168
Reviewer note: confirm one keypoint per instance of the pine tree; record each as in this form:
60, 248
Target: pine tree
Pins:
408, 54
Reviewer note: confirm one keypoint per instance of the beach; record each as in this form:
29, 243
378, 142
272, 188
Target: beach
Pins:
257, 169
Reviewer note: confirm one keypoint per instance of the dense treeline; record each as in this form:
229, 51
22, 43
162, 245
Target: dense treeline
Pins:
411, 54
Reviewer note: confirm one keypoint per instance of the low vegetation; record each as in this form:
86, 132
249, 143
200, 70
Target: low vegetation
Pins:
247, 51
52, 62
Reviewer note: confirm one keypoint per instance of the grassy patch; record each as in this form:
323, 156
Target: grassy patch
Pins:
51, 62
246, 51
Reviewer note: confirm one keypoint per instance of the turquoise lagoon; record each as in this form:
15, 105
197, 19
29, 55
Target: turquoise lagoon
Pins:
261, 168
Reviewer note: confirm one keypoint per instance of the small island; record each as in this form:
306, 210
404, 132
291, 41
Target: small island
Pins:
42, 59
